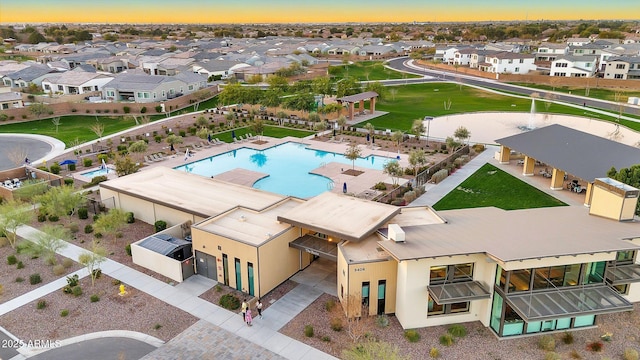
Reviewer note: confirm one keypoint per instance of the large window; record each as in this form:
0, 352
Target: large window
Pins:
446, 274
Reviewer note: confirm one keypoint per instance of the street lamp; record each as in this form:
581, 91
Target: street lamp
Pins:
428, 120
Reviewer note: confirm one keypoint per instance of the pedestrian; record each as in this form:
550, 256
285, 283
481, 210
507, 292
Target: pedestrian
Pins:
259, 308
248, 317
244, 310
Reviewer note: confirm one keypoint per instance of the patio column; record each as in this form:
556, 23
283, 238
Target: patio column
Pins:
557, 179
351, 110
529, 165
361, 106
372, 105
587, 197
504, 155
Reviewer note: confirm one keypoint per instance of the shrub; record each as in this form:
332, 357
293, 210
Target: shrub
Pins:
35, 279
308, 331
58, 270
55, 168
326, 338
88, 229
434, 353
19, 265
336, 324
67, 263
457, 330
116, 282
158, 108
412, 335
98, 111
12, 260
143, 110
127, 249
595, 346
547, 343
574, 354
380, 186
95, 298
552, 356
182, 133
87, 162
230, 302
77, 291
64, 312
126, 109
73, 228
630, 354
157, 138
160, 225
73, 280
98, 235
68, 181
446, 339
97, 273
53, 218
329, 305
19, 279
42, 217
157, 326
567, 338
41, 304
382, 321
130, 217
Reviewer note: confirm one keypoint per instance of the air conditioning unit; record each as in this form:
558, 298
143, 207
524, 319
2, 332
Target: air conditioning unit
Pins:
396, 233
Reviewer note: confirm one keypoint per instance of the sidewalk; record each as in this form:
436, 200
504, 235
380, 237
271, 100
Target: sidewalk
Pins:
185, 297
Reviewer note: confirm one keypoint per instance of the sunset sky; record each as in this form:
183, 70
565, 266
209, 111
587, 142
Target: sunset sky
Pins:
298, 11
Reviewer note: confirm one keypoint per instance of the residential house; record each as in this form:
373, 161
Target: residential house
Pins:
550, 51
508, 63
574, 66
377, 50
142, 88
578, 41
34, 74
462, 57
10, 100
75, 81
624, 68
221, 69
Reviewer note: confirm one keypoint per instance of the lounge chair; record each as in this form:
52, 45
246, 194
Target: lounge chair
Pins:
217, 141
196, 146
235, 140
148, 160
250, 136
205, 144
160, 157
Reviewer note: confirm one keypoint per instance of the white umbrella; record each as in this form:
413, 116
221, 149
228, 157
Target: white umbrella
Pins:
104, 166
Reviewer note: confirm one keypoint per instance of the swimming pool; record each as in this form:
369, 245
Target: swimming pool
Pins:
98, 172
288, 166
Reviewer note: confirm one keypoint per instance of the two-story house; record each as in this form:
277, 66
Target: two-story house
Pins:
508, 63
624, 68
574, 66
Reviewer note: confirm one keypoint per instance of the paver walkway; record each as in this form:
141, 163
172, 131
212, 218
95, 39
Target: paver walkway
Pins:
185, 297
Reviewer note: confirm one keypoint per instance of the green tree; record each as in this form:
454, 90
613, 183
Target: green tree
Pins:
272, 98
173, 140
30, 190
322, 85
397, 138
111, 223
200, 96
138, 147
38, 109
353, 153
417, 159
92, 260
49, 240
12, 216
462, 134
378, 88
61, 201
257, 126
452, 144
629, 176
281, 115
342, 122
370, 129
202, 122
125, 166
278, 83
417, 128
35, 37
393, 169
348, 86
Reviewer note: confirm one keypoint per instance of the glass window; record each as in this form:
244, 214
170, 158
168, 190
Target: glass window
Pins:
563, 323
501, 277
625, 256
622, 289
513, 323
496, 312
433, 308
437, 274
586, 320
519, 280
571, 275
460, 307
463, 272
595, 272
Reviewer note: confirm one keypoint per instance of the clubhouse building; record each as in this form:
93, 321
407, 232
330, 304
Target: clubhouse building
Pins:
518, 272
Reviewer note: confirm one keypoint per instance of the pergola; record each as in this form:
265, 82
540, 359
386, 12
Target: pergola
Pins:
359, 98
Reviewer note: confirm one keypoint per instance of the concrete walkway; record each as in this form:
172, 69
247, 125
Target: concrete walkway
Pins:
185, 297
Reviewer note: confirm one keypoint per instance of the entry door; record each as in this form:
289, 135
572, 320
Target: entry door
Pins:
238, 275
365, 298
382, 288
206, 265
225, 268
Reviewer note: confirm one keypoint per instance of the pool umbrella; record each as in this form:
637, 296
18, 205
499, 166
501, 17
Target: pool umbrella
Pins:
69, 161
209, 137
104, 166
367, 137
233, 134
344, 187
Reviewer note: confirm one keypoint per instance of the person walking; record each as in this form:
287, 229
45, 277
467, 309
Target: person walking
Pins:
244, 310
248, 317
259, 308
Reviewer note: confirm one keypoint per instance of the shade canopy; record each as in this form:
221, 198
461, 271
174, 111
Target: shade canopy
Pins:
68, 161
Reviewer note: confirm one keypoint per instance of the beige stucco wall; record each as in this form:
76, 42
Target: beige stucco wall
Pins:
278, 261
412, 296
606, 204
628, 208
374, 272
159, 263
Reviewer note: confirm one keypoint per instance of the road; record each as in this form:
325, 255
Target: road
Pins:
406, 64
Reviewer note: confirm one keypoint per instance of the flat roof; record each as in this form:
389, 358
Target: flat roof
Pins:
364, 251
343, 216
193, 194
575, 152
250, 226
358, 97
515, 235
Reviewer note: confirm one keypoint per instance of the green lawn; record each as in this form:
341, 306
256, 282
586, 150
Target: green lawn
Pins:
271, 131
490, 186
419, 100
368, 71
602, 94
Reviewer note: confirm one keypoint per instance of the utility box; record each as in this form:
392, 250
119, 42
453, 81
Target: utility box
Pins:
613, 199
396, 233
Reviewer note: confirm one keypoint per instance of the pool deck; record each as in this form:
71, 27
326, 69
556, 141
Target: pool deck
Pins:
359, 185
110, 175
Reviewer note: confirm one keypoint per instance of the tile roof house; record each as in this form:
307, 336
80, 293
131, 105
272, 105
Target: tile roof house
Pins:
34, 74
143, 88
75, 81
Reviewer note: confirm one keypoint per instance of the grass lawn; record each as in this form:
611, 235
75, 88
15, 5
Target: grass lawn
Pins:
602, 94
490, 186
271, 131
368, 71
419, 100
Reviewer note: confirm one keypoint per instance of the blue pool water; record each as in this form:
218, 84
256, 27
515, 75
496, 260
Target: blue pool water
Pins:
288, 166
94, 173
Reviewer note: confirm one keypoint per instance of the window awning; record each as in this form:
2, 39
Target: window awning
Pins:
567, 302
623, 274
458, 292
316, 246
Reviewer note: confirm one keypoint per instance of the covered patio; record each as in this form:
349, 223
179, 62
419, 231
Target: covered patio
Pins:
360, 98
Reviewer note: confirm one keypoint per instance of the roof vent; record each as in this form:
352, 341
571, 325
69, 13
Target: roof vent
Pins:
396, 233
242, 218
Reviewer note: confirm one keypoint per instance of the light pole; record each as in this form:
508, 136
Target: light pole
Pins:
428, 120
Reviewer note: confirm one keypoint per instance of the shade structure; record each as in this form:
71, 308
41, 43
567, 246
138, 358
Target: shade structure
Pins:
69, 161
